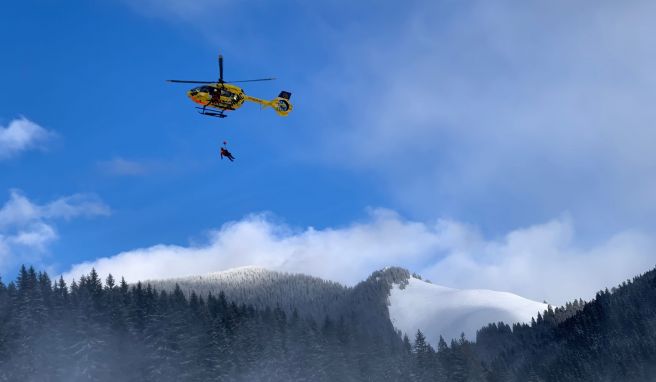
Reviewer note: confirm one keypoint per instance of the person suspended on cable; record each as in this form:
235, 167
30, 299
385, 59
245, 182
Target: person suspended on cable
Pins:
226, 153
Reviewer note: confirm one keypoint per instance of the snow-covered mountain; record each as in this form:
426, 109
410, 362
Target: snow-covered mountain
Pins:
437, 310
389, 298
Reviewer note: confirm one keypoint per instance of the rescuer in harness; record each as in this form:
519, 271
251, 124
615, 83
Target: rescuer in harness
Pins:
226, 153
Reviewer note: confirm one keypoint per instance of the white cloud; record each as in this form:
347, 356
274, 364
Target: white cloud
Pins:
123, 167
19, 211
499, 112
26, 228
20, 135
36, 236
75, 205
539, 262
544, 262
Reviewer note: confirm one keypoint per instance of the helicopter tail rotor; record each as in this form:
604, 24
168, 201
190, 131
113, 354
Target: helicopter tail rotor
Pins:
281, 104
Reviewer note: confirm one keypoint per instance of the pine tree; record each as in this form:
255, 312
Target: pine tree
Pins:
424, 357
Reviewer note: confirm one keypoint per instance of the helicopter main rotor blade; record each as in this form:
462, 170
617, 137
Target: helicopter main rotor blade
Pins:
191, 82
220, 68
259, 79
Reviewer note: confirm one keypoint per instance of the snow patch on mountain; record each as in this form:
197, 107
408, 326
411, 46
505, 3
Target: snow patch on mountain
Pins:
438, 310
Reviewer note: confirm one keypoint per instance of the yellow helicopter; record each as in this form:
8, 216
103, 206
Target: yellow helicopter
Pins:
218, 97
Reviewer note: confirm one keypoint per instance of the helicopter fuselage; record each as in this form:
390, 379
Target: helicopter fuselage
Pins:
225, 97
219, 96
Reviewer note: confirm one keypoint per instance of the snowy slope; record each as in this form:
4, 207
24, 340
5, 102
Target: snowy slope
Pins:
438, 310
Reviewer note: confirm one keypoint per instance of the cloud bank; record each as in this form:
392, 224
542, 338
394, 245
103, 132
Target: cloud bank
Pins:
21, 135
539, 262
26, 228
505, 113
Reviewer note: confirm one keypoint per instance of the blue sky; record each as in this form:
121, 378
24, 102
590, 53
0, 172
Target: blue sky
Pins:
482, 138
94, 73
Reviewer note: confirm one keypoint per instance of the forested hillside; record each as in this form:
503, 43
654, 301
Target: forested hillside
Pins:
95, 331
261, 288
365, 305
611, 338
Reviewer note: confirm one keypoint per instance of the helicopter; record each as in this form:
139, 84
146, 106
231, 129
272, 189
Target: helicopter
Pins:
217, 97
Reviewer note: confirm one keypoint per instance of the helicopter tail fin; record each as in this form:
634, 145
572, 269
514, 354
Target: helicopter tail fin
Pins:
281, 104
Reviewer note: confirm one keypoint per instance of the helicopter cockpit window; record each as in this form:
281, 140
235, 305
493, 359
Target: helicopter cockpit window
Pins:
206, 89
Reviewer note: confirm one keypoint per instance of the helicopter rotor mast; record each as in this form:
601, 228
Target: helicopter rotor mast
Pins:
220, 68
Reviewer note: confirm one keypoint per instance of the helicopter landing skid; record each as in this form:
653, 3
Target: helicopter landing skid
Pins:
211, 113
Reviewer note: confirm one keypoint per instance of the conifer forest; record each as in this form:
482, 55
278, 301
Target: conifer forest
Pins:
108, 330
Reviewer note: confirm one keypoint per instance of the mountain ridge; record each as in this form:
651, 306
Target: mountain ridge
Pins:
390, 298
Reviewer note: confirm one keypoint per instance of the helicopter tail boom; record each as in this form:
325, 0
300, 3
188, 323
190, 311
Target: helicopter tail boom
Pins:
280, 104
